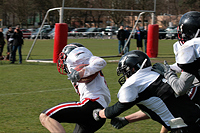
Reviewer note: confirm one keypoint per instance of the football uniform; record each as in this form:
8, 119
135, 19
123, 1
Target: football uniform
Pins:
185, 84
154, 96
187, 56
93, 95
182, 84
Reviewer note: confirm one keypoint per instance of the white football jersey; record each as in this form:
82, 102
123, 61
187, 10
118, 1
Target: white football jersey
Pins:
97, 89
188, 52
135, 84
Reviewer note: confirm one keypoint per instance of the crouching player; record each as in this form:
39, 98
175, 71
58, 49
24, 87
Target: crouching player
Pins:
84, 71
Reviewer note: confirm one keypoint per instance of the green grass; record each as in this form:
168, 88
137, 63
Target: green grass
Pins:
29, 88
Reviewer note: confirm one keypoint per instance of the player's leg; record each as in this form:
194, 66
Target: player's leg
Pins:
119, 47
163, 130
86, 123
72, 112
52, 117
51, 124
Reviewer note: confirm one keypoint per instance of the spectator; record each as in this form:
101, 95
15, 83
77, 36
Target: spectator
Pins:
93, 94
121, 40
139, 37
9, 33
145, 38
152, 94
127, 31
2, 43
17, 44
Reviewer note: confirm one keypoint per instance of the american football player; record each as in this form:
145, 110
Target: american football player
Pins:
150, 91
187, 49
93, 93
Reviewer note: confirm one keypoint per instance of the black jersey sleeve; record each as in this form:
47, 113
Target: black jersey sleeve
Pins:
117, 109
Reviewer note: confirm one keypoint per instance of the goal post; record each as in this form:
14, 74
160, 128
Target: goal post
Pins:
60, 9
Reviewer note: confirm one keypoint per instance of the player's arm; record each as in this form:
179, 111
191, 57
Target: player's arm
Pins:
119, 122
137, 116
182, 84
175, 68
95, 64
112, 111
117, 109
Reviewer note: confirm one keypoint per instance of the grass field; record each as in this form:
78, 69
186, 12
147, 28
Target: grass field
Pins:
29, 88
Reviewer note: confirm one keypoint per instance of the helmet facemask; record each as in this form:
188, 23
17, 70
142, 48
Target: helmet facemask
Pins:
61, 65
126, 71
183, 37
129, 67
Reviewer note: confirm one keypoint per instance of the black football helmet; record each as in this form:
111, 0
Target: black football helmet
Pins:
134, 59
61, 65
189, 26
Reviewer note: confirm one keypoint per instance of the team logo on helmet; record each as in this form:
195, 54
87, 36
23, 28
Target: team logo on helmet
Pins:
134, 59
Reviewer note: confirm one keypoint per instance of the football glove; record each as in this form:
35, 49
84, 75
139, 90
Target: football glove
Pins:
96, 114
159, 68
74, 76
119, 122
167, 67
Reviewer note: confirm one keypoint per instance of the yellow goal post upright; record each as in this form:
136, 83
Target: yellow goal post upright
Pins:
61, 10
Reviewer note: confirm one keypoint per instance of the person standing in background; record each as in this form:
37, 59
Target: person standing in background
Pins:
2, 43
17, 44
145, 39
9, 33
139, 37
121, 38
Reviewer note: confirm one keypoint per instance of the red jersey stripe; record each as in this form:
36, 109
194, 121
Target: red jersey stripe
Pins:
65, 106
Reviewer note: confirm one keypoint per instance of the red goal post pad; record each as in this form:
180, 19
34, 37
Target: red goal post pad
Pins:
152, 40
60, 39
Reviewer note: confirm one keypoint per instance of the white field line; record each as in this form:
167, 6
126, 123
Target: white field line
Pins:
34, 92
31, 92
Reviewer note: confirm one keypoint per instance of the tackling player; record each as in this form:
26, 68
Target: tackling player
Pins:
93, 94
187, 52
152, 94
187, 57
187, 49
